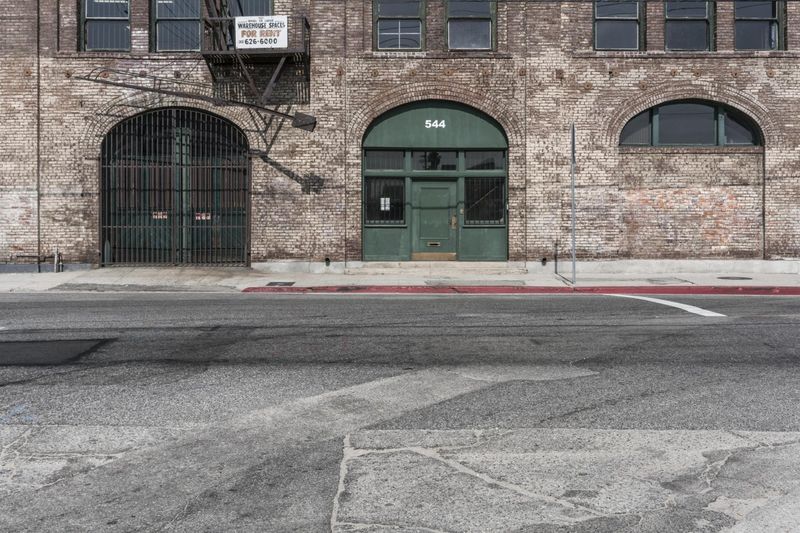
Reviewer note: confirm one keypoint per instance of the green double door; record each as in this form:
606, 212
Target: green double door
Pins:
434, 221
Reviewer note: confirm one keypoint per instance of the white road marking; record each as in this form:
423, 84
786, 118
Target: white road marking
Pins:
685, 307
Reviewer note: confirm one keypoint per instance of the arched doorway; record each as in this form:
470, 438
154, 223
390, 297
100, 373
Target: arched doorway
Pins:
174, 190
435, 185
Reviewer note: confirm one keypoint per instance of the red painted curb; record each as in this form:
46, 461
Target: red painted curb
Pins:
513, 289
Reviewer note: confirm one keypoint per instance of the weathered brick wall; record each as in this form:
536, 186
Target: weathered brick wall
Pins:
18, 127
544, 75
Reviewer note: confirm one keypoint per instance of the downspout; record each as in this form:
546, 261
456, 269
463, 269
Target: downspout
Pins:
38, 136
764, 201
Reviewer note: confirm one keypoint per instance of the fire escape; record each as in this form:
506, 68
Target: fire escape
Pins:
259, 78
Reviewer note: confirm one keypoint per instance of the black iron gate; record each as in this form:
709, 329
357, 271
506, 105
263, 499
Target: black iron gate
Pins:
174, 189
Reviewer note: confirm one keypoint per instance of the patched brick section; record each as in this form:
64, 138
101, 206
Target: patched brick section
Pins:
544, 76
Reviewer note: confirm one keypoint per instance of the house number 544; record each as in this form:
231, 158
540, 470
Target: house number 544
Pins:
435, 124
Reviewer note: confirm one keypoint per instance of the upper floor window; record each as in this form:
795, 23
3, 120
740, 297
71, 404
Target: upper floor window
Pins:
618, 25
759, 24
105, 25
250, 8
177, 25
690, 123
470, 24
689, 25
398, 24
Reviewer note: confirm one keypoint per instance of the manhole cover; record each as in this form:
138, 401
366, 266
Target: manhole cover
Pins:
280, 283
734, 278
28, 353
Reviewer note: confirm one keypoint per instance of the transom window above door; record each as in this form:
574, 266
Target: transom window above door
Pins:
399, 24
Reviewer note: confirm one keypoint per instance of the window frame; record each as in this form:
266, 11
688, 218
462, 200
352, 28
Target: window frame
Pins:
641, 21
710, 20
492, 18
270, 8
780, 22
376, 18
154, 20
83, 39
720, 114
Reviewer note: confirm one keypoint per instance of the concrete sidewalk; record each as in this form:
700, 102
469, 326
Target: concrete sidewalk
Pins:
635, 276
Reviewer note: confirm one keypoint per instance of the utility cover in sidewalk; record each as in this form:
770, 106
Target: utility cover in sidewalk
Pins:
57, 352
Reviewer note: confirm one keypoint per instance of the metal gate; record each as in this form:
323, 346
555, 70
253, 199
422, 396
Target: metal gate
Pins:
174, 189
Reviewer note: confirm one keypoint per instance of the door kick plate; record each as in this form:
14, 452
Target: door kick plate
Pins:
433, 256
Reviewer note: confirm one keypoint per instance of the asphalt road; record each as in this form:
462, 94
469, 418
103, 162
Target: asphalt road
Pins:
209, 412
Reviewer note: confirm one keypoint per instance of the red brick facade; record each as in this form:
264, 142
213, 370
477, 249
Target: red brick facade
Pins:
633, 202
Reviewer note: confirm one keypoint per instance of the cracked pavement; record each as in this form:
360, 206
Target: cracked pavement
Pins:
209, 412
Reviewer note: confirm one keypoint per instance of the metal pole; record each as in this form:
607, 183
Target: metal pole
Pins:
572, 175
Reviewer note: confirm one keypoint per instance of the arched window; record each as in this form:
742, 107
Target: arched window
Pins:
690, 123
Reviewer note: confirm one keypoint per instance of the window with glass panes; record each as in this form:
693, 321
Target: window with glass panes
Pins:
690, 123
177, 25
105, 25
618, 25
470, 24
250, 8
759, 25
398, 24
689, 25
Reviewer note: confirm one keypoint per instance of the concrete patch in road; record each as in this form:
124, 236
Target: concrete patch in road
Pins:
148, 488
592, 480
32, 457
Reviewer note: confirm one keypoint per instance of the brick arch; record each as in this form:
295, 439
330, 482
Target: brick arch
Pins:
701, 91
120, 109
497, 109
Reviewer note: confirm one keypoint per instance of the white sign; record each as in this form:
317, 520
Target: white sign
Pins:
262, 32
386, 204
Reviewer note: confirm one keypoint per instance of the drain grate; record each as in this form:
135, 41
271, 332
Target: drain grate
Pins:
280, 283
58, 352
735, 278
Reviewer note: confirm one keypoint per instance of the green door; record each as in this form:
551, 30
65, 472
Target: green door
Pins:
434, 221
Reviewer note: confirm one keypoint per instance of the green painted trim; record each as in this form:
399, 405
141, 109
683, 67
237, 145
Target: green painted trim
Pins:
410, 127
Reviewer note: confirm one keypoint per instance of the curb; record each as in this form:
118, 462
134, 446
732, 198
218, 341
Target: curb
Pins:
512, 289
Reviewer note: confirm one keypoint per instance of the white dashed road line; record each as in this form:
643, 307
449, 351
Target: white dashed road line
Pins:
685, 307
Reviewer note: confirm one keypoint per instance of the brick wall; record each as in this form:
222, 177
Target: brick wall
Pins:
543, 76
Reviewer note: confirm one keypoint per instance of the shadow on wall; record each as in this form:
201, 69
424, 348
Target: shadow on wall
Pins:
309, 183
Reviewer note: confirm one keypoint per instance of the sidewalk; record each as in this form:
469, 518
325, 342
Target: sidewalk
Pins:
470, 278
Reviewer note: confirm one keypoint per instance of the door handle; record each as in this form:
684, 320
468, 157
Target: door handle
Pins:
453, 222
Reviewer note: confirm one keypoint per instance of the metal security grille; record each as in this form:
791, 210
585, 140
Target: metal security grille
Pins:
174, 185
385, 201
484, 199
